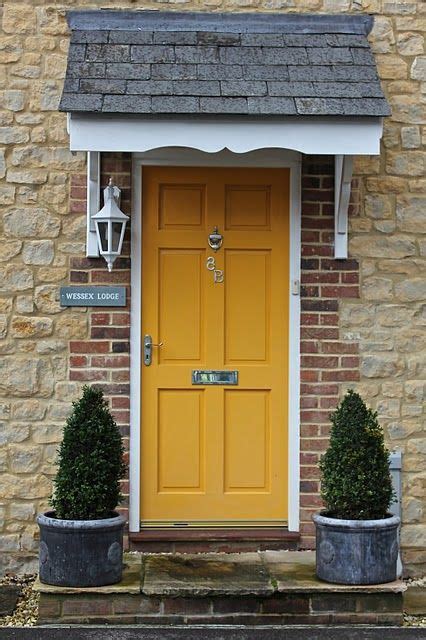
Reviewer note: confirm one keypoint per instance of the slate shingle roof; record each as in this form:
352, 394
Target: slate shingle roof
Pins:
151, 62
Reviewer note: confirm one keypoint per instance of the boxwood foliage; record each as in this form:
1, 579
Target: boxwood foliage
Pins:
90, 462
356, 482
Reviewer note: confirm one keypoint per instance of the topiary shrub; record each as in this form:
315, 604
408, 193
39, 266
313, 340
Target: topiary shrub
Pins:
87, 484
356, 482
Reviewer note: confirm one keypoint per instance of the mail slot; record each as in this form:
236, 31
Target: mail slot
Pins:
214, 377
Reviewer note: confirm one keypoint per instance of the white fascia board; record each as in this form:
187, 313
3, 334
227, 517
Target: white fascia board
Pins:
313, 135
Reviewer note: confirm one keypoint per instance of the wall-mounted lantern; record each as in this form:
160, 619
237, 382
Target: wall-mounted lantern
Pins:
110, 223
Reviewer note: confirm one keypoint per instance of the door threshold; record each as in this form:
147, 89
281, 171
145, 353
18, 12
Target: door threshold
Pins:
214, 540
214, 534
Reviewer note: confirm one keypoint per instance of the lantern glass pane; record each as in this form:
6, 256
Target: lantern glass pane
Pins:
103, 235
116, 233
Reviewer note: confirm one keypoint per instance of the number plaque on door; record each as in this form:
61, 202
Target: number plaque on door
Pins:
214, 377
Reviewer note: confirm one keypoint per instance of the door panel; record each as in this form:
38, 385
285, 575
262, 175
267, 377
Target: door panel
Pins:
247, 441
247, 207
180, 452
178, 267
215, 454
247, 308
181, 206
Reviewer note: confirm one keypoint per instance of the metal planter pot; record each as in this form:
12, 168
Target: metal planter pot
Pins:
356, 551
81, 553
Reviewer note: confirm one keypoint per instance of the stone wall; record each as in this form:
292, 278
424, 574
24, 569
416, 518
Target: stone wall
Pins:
42, 230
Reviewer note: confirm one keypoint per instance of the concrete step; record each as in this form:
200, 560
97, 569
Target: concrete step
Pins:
249, 589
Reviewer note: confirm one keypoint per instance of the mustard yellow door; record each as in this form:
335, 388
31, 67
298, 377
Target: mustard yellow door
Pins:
215, 454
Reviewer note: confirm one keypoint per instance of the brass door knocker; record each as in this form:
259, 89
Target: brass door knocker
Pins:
215, 239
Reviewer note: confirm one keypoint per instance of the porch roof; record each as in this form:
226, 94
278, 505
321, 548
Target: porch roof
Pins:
156, 63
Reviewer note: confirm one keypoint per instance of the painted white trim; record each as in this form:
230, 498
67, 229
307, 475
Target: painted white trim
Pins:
294, 350
343, 167
135, 348
93, 201
313, 135
191, 157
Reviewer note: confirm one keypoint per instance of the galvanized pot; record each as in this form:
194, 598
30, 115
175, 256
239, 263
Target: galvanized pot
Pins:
80, 553
356, 551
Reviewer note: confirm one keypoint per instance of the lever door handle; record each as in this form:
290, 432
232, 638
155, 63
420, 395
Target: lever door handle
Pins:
147, 349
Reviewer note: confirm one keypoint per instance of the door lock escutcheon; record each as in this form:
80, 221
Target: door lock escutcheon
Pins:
147, 349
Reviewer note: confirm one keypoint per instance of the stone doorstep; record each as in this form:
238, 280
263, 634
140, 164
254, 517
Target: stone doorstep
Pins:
131, 583
250, 589
199, 575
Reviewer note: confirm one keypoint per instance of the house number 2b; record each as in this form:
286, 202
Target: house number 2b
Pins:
211, 266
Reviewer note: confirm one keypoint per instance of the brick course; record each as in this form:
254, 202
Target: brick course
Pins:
278, 609
323, 361
109, 329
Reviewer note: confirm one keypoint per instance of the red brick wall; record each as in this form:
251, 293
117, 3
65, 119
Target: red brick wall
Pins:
327, 361
103, 359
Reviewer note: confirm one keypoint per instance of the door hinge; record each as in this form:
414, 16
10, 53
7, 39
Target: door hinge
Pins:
295, 287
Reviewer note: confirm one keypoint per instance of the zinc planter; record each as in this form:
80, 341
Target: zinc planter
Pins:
80, 553
356, 551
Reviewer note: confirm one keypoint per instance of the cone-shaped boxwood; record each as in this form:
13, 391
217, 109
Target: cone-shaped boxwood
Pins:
356, 483
87, 484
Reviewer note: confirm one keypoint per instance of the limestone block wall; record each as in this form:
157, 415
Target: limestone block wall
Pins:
42, 233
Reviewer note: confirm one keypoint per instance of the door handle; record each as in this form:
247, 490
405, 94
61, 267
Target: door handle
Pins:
147, 349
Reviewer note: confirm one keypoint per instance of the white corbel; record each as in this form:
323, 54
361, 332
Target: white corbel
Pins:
93, 201
343, 166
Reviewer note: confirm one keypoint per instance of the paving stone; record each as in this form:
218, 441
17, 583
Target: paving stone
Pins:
202, 576
295, 571
131, 583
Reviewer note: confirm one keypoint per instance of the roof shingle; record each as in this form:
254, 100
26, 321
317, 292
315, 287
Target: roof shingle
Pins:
265, 64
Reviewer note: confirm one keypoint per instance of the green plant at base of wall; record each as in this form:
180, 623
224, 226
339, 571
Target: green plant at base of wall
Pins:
90, 463
356, 483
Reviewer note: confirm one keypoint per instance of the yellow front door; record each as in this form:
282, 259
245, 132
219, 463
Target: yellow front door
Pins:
215, 454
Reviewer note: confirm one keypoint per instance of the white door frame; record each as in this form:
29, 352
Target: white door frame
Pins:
191, 157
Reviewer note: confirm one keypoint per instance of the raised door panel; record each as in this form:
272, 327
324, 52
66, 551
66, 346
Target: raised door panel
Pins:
181, 305
247, 207
182, 206
247, 306
181, 440
247, 442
